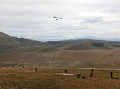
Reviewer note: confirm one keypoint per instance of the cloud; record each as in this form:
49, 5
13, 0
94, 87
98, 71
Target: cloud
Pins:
81, 18
92, 20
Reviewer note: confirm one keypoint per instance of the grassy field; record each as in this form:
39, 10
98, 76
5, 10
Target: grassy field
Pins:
17, 78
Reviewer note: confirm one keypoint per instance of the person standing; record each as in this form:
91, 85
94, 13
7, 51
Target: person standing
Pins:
91, 70
36, 69
65, 71
111, 74
91, 74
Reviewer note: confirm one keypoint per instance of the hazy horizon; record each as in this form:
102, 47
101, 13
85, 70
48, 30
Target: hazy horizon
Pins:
60, 39
88, 19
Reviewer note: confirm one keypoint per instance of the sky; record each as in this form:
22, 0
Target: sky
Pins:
33, 19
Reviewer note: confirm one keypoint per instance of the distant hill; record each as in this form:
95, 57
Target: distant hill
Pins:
28, 42
64, 42
11, 43
88, 44
7, 42
84, 44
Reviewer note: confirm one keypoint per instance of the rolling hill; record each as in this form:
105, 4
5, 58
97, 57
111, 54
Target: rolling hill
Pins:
88, 44
7, 42
13, 43
70, 53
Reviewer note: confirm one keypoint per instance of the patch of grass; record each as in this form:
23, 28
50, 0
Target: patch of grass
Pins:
17, 78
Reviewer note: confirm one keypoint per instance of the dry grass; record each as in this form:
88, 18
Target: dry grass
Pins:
77, 58
16, 78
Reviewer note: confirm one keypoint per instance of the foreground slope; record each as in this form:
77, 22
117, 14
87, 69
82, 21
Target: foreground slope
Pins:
17, 78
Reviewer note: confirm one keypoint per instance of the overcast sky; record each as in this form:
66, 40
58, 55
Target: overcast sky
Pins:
33, 19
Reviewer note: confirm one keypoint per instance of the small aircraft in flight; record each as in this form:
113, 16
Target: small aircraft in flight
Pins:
57, 18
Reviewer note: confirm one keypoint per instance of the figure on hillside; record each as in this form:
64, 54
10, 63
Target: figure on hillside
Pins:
65, 71
91, 75
111, 74
83, 77
36, 69
91, 70
78, 75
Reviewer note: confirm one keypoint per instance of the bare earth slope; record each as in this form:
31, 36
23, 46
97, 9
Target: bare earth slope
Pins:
62, 58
